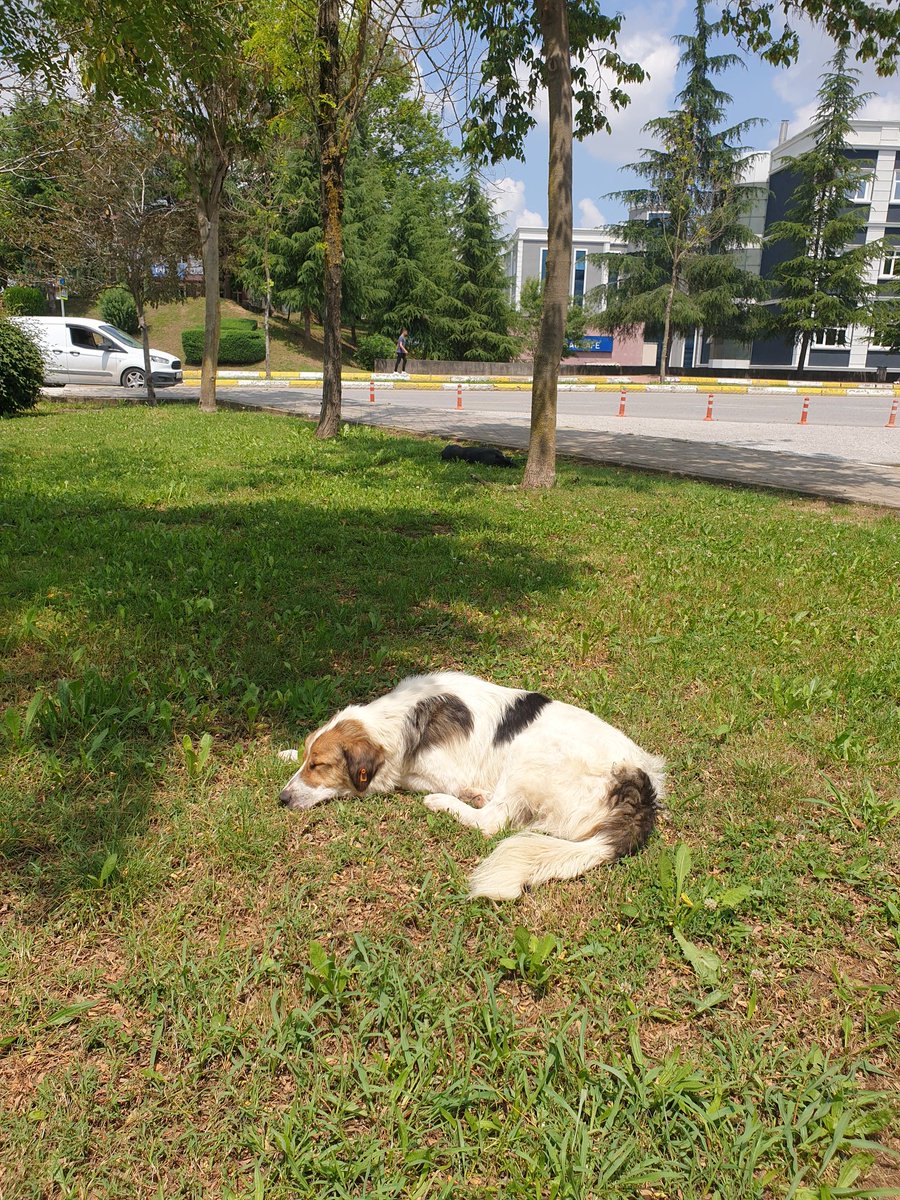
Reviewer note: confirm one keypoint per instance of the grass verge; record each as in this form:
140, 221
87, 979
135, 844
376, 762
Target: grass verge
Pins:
201, 994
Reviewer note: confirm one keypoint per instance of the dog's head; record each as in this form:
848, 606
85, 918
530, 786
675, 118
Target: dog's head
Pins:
340, 760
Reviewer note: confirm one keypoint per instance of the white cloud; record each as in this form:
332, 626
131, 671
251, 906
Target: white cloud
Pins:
883, 108
507, 196
652, 98
798, 85
590, 216
657, 54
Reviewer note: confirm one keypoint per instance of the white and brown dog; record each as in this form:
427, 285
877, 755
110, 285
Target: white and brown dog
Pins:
582, 791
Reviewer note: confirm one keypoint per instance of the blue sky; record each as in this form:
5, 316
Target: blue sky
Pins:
759, 90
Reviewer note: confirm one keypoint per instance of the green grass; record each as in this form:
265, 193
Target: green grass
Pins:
204, 995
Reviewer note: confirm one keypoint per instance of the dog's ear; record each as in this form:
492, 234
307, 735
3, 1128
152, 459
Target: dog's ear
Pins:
364, 760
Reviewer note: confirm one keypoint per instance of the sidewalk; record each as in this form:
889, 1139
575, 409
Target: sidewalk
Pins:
832, 478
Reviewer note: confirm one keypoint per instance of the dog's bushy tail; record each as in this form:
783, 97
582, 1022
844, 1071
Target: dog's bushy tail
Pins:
527, 859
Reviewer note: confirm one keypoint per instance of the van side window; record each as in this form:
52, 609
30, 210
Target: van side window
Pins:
85, 337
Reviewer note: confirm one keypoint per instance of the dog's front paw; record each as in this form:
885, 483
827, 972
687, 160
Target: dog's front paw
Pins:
440, 802
288, 755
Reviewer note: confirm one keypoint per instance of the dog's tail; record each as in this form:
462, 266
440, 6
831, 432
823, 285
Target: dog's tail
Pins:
529, 858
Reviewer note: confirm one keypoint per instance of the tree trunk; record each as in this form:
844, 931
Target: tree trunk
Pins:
667, 332
540, 470
307, 323
267, 312
209, 198
332, 159
145, 342
805, 339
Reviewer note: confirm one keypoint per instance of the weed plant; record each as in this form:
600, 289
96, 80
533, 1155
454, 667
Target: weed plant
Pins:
204, 995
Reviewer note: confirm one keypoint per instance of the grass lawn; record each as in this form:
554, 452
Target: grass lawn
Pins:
202, 995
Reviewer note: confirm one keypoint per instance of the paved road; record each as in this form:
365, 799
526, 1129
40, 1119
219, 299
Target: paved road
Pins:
844, 452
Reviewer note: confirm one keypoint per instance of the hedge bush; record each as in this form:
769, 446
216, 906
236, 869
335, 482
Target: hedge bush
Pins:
117, 307
24, 301
376, 345
238, 346
238, 323
21, 370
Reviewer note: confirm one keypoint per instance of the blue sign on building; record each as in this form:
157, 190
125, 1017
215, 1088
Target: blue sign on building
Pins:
594, 343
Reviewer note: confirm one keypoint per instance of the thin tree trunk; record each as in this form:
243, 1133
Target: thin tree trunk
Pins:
209, 197
307, 323
540, 470
667, 332
805, 339
332, 159
145, 342
268, 308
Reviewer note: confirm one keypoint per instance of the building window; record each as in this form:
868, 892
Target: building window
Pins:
544, 265
831, 338
863, 193
895, 193
890, 264
578, 281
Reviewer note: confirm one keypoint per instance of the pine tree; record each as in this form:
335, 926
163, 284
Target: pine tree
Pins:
365, 237
420, 272
825, 285
480, 287
686, 224
297, 249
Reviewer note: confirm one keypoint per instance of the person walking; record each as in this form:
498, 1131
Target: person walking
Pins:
402, 351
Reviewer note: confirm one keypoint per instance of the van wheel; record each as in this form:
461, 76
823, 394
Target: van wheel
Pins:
133, 378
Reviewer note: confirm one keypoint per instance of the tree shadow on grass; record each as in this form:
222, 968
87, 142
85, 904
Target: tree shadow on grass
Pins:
140, 623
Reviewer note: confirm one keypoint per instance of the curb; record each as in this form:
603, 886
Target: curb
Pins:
508, 383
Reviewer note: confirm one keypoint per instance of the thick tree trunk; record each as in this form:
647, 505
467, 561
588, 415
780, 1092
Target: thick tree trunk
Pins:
209, 199
540, 470
332, 158
332, 215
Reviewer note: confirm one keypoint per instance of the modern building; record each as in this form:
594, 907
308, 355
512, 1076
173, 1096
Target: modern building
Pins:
874, 144
527, 259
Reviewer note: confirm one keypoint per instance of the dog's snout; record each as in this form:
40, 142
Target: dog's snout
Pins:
284, 797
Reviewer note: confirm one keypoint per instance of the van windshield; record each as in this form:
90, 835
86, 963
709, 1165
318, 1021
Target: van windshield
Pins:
119, 336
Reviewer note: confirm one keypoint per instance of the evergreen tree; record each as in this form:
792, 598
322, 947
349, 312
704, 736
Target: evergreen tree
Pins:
420, 273
825, 284
480, 286
365, 237
686, 224
296, 247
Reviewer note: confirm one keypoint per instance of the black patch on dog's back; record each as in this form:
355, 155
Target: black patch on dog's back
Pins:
633, 805
518, 716
486, 455
434, 720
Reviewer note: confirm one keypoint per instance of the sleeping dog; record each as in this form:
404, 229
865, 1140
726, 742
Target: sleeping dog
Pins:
581, 792
486, 455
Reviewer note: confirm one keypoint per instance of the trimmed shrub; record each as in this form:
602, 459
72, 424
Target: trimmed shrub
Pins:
238, 323
117, 307
21, 370
376, 345
237, 346
24, 301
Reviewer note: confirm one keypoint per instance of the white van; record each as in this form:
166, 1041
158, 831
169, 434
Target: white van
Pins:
82, 350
